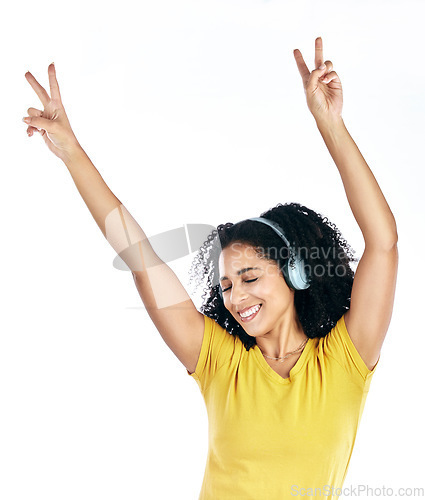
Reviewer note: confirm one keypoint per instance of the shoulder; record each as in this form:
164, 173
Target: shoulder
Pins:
338, 345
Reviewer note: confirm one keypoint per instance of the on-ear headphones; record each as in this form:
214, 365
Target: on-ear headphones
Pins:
294, 269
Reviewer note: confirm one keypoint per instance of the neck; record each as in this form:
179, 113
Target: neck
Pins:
285, 337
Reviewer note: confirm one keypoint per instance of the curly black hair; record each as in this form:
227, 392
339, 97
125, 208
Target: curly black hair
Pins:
326, 254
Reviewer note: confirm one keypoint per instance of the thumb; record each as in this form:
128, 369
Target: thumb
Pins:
40, 123
317, 73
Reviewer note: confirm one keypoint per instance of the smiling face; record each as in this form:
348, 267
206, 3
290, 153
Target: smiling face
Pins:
253, 287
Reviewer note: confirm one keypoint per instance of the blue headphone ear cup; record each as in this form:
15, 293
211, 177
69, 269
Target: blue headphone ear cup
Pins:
295, 274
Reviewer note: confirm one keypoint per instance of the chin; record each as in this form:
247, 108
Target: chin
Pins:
251, 330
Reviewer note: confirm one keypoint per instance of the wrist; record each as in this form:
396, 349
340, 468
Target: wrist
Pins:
333, 131
331, 123
73, 155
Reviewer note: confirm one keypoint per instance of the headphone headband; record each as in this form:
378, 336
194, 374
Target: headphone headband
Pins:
274, 225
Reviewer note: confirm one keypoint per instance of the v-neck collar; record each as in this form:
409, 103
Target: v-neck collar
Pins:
292, 372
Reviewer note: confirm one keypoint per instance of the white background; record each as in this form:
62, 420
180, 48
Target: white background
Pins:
193, 112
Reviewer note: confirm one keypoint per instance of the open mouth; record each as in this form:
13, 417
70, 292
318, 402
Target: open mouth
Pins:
250, 314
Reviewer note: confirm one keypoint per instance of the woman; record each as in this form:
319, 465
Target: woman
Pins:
288, 338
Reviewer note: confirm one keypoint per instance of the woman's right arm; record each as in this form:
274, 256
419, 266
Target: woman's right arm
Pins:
168, 304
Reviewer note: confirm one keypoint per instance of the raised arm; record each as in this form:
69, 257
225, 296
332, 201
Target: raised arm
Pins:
166, 300
374, 284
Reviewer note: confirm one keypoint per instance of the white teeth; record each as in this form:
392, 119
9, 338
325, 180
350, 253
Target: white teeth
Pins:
250, 311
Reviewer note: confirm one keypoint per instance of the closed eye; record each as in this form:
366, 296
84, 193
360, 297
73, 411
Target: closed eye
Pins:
246, 281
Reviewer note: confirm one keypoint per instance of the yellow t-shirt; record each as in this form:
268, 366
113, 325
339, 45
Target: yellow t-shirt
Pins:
272, 438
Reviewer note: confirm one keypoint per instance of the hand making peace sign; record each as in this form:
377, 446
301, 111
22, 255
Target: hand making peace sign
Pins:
52, 122
322, 86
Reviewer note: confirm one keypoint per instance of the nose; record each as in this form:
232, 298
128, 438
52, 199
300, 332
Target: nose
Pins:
237, 295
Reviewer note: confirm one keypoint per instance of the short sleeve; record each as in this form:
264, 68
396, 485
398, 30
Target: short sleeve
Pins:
338, 345
217, 348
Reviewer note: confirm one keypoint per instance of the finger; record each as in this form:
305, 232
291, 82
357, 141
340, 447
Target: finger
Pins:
328, 68
54, 86
39, 90
318, 56
31, 130
302, 66
316, 75
40, 123
34, 112
332, 76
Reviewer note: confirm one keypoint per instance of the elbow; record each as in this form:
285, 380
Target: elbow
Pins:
393, 240
385, 241
392, 246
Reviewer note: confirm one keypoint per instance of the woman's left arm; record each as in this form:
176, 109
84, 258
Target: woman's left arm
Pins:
372, 296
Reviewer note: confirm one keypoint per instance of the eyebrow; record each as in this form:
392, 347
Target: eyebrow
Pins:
241, 271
